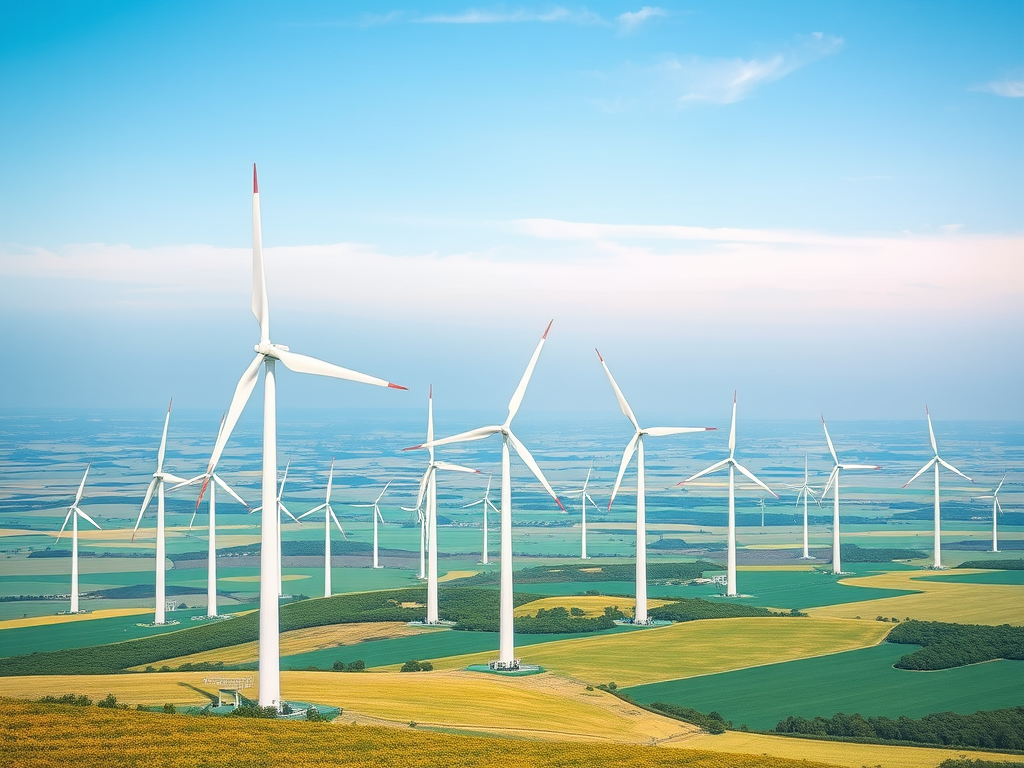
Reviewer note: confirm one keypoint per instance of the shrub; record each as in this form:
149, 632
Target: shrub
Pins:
170, 709
410, 666
255, 711
108, 703
67, 698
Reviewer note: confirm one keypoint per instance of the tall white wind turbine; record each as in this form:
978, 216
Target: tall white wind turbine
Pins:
267, 356
833, 480
506, 643
936, 461
585, 498
328, 517
156, 485
486, 502
211, 552
804, 492
428, 491
74, 512
996, 509
733, 465
376, 516
636, 445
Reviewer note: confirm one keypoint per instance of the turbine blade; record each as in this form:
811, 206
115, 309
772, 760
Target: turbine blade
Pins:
260, 307
293, 361
585, 482
230, 491
67, 517
242, 392
167, 477
528, 459
623, 405
517, 396
381, 496
664, 431
732, 429
81, 485
280, 488
931, 432
750, 475
313, 510
285, 510
831, 477
493, 508
379, 515
163, 440
330, 481
448, 466
471, 504
462, 437
145, 503
994, 493
423, 486
190, 481
831, 448
920, 472
334, 517
591, 500
95, 524
713, 468
951, 468
626, 456
858, 466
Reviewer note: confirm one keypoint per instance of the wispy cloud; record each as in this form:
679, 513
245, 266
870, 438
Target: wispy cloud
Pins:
633, 20
680, 81
1010, 87
519, 15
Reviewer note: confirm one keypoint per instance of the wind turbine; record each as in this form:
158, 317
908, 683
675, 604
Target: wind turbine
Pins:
804, 491
428, 490
834, 478
376, 516
423, 537
211, 554
996, 509
760, 503
156, 485
636, 445
584, 498
328, 517
282, 510
506, 643
936, 461
486, 501
75, 512
267, 355
733, 465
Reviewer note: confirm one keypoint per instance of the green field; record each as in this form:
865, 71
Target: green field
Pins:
861, 681
989, 577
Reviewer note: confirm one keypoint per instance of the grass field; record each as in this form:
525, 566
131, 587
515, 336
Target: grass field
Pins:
45, 621
692, 648
969, 576
861, 681
938, 600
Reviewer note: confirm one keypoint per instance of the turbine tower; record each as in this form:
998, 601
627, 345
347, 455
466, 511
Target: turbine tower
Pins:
936, 461
506, 644
803, 492
156, 485
636, 445
267, 356
75, 512
328, 517
834, 478
584, 499
211, 552
283, 510
486, 501
996, 509
733, 465
376, 516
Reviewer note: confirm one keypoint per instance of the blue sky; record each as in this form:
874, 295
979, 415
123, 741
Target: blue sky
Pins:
818, 203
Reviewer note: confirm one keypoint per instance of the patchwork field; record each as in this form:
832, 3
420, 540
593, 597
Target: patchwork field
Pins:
937, 600
591, 605
692, 648
45, 621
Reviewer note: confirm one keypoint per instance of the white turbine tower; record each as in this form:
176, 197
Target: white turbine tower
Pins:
585, 498
804, 492
156, 485
996, 509
733, 465
428, 491
636, 445
486, 502
211, 552
936, 461
760, 503
376, 516
267, 355
328, 517
833, 478
506, 643
75, 512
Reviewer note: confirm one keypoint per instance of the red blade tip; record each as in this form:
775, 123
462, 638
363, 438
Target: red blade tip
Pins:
710, 429
599, 354
397, 386
413, 448
255, 183
547, 329
734, 397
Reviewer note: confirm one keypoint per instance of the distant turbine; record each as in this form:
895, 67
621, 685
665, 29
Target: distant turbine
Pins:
328, 517
75, 512
211, 552
506, 643
486, 501
423, 537
376, 516
936, 461
996, 509
157, 485
804, 491
834, 478
760, 503
636, 445
267, 355
584, 499
732, 464
283, 511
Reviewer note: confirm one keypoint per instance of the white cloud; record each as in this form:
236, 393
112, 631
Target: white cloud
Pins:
520, 15
631, 21
1009, 87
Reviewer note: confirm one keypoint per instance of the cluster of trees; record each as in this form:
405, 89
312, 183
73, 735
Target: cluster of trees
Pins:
686, 609
956, 762
67, 698
851, 553
994, 565
560, 620
574, 572
997, 729
353, 666
248, 709
412, 665
712, 722
955, 645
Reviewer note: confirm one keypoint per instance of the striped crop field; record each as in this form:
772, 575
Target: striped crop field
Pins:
934, 601
45, 621
692, 648
591, 605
